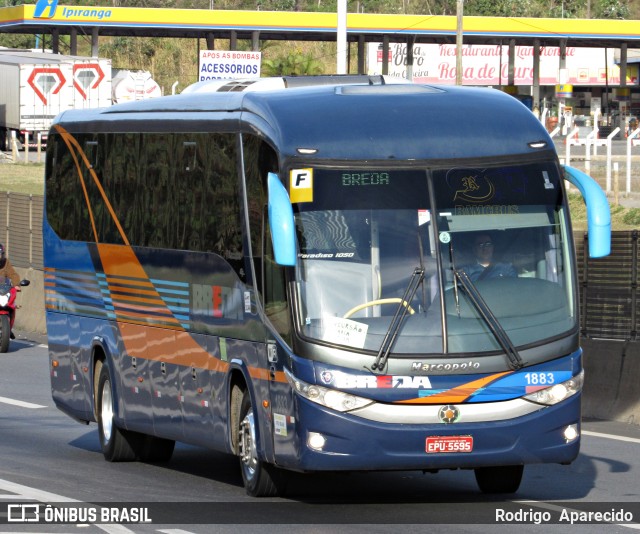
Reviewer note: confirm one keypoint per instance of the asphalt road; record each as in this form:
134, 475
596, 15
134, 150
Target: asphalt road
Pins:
45, 457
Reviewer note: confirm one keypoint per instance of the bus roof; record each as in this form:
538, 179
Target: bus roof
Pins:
342, 121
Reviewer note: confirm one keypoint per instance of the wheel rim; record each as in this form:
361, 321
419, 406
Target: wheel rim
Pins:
247, 442
106, 411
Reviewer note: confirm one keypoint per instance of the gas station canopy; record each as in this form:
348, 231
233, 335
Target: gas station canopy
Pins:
49, 17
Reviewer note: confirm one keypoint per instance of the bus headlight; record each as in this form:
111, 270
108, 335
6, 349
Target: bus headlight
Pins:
558, 392
331, 398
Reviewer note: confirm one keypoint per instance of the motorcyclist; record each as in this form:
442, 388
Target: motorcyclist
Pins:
6, 269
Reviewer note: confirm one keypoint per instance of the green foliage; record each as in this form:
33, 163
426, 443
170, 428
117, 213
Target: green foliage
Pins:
17, 40
292, 64
632, 217
503, 8
612, 9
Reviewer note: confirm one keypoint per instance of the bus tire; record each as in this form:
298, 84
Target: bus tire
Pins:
5, 333
155, 450
260, 479
117, 445
503, 479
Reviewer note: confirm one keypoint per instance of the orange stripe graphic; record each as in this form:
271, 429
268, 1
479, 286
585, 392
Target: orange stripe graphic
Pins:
458, 394
170, 342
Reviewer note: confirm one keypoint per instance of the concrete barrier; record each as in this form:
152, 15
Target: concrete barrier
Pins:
612, 380
30, 314
612, 368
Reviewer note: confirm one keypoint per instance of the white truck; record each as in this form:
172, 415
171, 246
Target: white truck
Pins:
36, 86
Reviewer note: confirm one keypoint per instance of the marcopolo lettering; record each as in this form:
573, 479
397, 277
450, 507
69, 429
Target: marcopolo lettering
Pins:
445, 367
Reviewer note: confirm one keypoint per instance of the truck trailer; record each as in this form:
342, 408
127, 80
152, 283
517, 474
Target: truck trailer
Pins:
37, 86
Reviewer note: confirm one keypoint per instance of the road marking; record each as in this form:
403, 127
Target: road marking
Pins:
20, 403
553, 507
26, 493
634, 526
610, 436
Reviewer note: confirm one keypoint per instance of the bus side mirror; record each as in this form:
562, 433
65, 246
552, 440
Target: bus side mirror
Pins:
598, 212
281, 222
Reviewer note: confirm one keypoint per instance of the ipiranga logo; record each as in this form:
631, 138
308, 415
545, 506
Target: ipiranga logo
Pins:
46, 9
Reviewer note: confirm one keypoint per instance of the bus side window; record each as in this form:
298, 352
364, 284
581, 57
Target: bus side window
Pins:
259, 160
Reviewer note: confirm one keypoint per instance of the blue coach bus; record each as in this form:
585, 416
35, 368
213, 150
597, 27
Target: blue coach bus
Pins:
284, 270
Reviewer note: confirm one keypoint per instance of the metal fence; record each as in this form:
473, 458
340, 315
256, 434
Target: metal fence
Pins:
22, 235
608, 286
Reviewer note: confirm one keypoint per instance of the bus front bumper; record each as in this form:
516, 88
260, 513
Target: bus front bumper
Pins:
324, 440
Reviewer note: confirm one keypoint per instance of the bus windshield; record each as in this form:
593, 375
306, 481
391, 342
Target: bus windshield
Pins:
364, 233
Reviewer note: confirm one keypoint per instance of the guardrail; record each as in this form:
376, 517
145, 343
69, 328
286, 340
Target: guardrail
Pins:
591, 143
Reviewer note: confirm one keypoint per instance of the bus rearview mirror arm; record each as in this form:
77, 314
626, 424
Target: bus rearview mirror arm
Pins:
598, 212
281, 222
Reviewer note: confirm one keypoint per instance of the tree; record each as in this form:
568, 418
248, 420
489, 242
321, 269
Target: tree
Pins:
292, 64
612, 9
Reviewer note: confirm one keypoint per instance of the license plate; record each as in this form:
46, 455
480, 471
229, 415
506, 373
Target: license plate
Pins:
439, 444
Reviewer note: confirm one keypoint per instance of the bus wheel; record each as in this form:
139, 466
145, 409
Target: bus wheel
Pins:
260, 479
117, 445
503, 479
155, 450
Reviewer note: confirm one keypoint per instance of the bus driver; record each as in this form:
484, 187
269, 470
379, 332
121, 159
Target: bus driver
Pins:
484, 267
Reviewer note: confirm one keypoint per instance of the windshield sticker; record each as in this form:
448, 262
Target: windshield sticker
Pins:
424, 217
301, 185
344, 331
474, 189
280, 424
445, 237
547, 182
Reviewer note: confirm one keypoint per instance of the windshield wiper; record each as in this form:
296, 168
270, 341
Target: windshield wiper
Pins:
396, 322
515, 360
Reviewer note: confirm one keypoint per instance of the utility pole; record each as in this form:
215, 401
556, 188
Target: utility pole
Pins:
459, 13
341, 60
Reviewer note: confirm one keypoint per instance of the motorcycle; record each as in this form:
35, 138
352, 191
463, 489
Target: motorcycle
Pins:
8, 294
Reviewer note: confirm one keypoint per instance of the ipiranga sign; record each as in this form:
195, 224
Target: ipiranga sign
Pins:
228, 65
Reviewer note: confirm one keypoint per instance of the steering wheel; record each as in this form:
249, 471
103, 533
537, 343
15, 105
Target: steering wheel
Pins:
395, 300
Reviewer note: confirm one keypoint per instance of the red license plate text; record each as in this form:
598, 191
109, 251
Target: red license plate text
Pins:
438, 444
